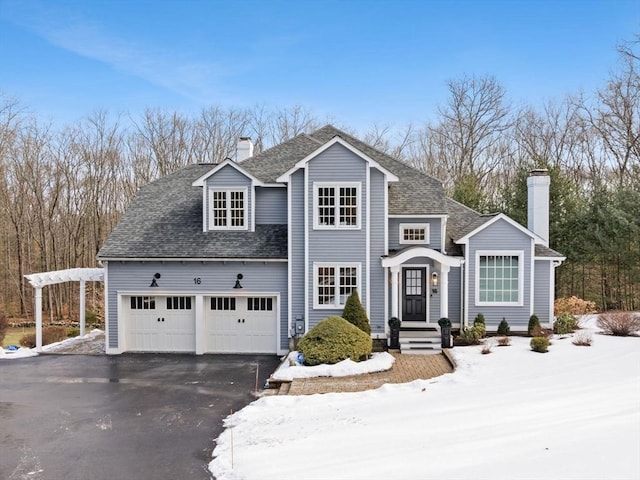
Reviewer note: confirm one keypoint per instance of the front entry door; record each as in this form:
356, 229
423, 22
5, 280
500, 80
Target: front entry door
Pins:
414, 298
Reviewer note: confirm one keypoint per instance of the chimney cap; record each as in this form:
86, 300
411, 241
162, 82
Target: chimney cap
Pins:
539, 172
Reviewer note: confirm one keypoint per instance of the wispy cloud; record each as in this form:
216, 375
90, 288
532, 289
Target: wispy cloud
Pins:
64, 26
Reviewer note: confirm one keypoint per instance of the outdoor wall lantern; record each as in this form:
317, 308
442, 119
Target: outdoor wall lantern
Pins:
434, 282
153, 280
238, 278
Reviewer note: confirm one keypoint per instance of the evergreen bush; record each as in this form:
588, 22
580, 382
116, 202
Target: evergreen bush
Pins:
503, 327
534, 325
539, 344
333, 340
355, 313
564, 324
479, 319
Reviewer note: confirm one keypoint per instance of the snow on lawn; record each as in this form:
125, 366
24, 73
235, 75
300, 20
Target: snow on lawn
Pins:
571, 413
82, 344
379, 362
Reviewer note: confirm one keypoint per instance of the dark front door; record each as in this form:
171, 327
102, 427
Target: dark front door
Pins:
414, 299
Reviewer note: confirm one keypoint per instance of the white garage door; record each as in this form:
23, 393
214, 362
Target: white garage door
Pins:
241, 325
160, 324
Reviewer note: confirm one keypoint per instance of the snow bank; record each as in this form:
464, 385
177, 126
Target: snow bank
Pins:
378, 362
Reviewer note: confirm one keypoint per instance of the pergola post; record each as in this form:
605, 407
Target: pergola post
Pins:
82, 307
38, 319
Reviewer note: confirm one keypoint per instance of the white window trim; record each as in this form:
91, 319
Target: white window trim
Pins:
403, 226
228, 190
336, 296
337, 186
500, 253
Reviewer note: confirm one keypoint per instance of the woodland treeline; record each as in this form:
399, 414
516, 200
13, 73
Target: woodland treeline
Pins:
62, 190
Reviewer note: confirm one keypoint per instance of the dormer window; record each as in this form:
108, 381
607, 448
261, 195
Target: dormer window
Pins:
227, 209
336, 205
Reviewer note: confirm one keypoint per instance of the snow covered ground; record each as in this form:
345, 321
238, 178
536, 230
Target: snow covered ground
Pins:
92, 342
571, 413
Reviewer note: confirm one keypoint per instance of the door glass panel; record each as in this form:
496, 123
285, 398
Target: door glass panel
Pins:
413, 282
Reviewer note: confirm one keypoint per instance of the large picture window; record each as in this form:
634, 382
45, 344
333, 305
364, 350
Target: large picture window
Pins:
228, 209
334, 283
499, 278
337, 205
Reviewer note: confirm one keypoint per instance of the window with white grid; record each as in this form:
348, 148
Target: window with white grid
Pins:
499, 278
228, 209
336, 205
334, 283
414, 233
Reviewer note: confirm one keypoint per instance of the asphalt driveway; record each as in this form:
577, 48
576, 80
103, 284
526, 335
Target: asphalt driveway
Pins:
132, 416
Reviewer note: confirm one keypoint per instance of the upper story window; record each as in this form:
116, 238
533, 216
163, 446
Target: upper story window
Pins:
228, 209
499, 278
336, 205
414, 233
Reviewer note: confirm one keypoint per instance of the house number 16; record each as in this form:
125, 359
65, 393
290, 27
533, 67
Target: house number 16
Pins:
197, 280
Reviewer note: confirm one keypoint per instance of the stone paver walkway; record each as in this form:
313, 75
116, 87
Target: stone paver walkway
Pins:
406, 368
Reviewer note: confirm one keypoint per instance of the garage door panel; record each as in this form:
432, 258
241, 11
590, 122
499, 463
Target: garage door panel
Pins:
242, 325
160, 324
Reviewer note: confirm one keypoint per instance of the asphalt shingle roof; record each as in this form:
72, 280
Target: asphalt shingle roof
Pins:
165, 221
165, 218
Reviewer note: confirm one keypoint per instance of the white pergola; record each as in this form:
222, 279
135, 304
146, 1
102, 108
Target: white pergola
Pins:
39, 280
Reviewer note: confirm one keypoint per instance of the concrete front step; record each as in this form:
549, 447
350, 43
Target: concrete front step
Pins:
420, 345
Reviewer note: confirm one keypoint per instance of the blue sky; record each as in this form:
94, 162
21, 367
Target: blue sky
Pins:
353, 62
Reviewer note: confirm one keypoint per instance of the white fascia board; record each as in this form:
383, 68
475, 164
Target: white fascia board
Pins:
230, 163
372, 163
437, 215
500, 216
193, 259
559, 260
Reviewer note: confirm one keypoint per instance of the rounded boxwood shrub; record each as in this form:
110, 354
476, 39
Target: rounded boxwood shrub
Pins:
503, 327
333, 340
539, 344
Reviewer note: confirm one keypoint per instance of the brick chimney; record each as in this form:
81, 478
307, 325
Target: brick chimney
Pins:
244, 149
538, 203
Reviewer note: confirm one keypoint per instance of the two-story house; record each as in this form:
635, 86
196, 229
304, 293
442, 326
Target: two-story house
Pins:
240, 256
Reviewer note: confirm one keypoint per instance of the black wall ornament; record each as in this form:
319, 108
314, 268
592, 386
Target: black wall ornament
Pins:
153, 280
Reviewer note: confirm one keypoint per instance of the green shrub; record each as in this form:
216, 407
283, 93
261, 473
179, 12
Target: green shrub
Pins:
4, 326
503, 327
355, 313
539, 344
622, 324
49, 335
534, 325
479, 319
565, 323
73, 332
472, 335
333, 340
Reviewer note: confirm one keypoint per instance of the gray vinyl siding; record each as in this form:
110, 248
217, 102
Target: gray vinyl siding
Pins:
229, 177
541, 291
336, 245
454, 294
378, 281
296, 239
501, 236
435, 235
271, 206
178, 277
